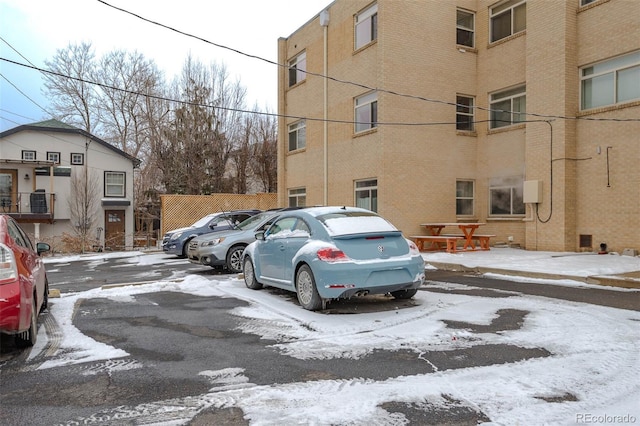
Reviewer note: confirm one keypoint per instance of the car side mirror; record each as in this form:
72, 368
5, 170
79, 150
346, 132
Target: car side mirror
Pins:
42, 247
260, 235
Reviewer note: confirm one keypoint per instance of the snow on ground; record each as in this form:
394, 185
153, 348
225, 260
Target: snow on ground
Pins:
595, 354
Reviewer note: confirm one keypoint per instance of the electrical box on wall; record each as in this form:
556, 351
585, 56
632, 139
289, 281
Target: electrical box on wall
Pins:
532, 191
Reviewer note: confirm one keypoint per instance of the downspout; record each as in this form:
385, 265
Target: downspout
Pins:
324, 21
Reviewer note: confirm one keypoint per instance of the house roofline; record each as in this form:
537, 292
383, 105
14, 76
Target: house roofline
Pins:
60, 127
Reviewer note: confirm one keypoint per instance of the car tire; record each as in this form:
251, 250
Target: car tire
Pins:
185, 247
234, 259
306, 289
404, 294
250, 279
28, 338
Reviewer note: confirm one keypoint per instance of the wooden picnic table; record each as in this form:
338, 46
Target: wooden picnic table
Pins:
468, 230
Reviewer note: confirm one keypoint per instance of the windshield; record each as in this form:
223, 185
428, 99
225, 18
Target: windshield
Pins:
253, 220
202, 222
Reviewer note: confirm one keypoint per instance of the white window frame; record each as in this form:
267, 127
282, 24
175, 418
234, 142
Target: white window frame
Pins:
297, 135
463, 29
29, 155
113, 188
366, 112
610, 82
54, 157
508, 107
297, 197
512, 189
366, 27
297, 69
463, 199
366, 194
514, 8
76, 159
465, 114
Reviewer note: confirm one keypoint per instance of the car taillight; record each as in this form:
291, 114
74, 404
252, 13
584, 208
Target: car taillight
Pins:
332, 254
413, 248
8, 268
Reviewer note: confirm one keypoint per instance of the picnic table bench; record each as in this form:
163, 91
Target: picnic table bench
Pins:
434, 241
483, 240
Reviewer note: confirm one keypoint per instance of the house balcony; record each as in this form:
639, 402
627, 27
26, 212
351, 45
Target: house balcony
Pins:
28, 207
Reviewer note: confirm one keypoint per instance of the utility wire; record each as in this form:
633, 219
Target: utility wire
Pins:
15, 87
352, 83
297, 117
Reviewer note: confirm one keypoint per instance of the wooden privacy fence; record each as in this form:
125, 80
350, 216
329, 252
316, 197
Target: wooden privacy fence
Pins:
179, 211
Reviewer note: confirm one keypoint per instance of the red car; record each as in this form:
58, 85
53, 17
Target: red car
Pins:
24, 289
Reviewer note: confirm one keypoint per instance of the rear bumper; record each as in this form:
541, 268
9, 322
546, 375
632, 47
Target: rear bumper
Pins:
15, 308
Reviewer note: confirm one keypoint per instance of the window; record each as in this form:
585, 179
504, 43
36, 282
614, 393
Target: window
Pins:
611, 82
366, 112
508, 107
54, 157
464, 197
297, 69
367, 194
586, 2
77, 159
366, 26
114, 184
505, 197
57, 171
464, 113
465, 28
508, 18
297, 197
297, 135
29, 155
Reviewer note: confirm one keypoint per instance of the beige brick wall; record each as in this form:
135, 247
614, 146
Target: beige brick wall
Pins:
416, 166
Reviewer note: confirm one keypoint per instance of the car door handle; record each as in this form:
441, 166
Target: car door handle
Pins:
281, 247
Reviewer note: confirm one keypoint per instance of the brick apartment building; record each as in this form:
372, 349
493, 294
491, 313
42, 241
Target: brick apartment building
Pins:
521, 114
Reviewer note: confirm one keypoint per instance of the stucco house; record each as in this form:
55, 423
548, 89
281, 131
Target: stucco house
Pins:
55, 178
522, 115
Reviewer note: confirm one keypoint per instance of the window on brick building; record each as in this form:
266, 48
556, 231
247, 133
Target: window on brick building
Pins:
464, 113
366, 26
297, 69
465, 28
366, 112
610, 82
465, 194
366, 194
508, 107
297, 135
298, 197
505, 197
508, 18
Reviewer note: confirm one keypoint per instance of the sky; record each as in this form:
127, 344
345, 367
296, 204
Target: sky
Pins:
32, 31
594, 348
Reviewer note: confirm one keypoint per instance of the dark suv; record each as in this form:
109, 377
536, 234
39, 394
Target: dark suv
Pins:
176, 241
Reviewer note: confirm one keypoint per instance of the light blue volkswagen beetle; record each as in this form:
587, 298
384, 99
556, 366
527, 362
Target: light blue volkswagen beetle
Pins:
325, 253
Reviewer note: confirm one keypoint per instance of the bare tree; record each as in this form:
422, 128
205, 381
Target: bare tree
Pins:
83, 205
241, 156
124, 117
264, 158
73, 98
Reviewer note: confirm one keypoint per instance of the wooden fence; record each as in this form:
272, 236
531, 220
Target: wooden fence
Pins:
179, 211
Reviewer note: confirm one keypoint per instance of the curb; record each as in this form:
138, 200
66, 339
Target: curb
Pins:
603, 280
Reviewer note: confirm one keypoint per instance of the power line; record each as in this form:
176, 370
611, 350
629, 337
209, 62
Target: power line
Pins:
363, 86
162, 98
16, 87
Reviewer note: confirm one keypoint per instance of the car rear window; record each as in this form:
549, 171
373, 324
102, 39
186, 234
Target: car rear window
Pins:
354, 223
